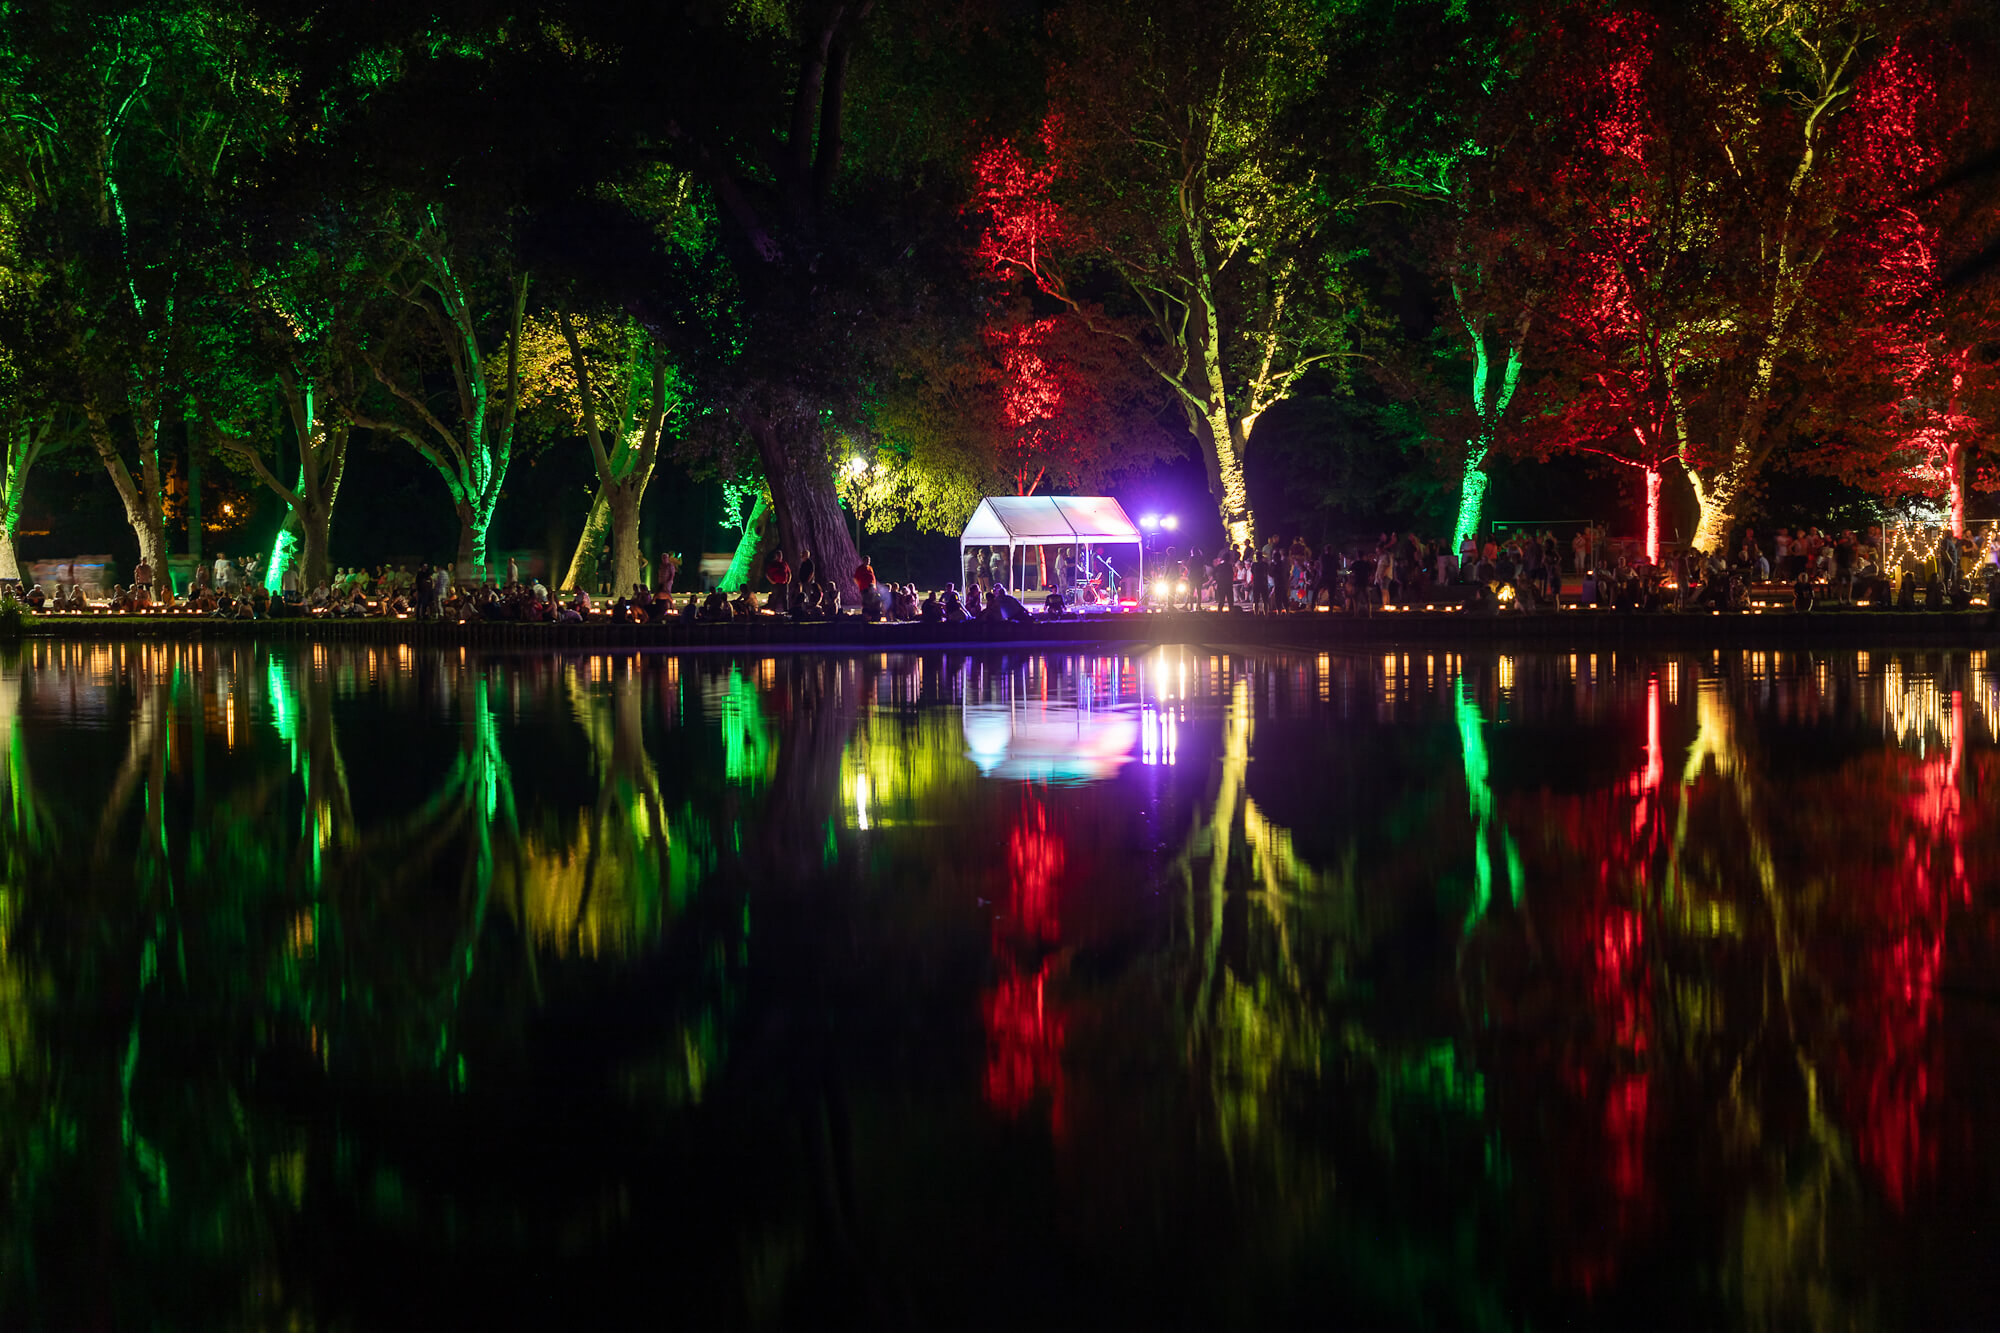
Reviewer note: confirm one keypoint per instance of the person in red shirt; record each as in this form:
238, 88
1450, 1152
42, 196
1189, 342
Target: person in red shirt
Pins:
779, 575
864, 575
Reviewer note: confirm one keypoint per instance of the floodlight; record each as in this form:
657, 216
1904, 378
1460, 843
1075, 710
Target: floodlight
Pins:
1170, 522
1149, 522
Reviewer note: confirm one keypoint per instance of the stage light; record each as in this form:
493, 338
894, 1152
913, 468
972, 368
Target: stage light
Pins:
1170, 522
1159, 588
1149, 522
856, 465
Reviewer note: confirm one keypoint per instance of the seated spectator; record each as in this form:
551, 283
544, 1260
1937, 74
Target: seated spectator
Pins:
954, 610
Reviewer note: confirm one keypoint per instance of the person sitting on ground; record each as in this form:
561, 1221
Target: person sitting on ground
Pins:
904, 605
745, 605
1004, 606
974, 607
1906, 595
36, 598
716, 607
1052, 605
951, 610
931, 612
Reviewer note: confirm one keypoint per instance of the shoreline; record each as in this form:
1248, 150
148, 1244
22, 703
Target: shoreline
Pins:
1836, 628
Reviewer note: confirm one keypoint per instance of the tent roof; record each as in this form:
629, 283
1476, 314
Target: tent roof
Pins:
1001, 519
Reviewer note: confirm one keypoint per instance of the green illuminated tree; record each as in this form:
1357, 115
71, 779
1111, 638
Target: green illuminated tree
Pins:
471, 327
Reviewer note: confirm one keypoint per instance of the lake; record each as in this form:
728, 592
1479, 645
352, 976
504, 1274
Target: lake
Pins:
356, 988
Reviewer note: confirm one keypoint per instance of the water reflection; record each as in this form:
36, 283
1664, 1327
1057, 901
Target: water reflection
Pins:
369, 987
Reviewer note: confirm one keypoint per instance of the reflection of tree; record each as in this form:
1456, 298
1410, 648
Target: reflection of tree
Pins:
1734, 950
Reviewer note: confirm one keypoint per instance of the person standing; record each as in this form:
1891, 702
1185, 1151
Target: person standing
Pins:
864, 579
670, 569
513, 571
142, 582
779, 575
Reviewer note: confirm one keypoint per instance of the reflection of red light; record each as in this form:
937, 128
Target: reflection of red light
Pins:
1024, 1043
1034, 860
1625, 1135
1024, 1034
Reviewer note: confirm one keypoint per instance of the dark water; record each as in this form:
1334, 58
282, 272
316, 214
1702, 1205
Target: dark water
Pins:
361, 988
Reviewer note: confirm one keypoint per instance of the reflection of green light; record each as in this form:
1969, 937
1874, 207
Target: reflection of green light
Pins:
746, 746
284, 708
1473, 743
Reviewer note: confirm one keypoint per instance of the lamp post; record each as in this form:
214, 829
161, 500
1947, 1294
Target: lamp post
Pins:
856, 465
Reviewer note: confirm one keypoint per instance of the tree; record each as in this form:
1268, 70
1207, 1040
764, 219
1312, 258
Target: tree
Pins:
1464, 148
1611, 362
473, 327
639, 402
94, 103
1738, 205
1165, 209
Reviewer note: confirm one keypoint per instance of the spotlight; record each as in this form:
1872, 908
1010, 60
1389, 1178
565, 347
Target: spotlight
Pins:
1170, 522
1149, 522
1160, 588
856, 465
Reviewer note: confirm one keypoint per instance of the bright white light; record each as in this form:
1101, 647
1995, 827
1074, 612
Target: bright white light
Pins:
1159, 587
1170, 522
856, 465
1149, 522
861, 800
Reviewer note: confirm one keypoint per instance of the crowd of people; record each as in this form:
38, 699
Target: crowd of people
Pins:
1527, 569
1523, 569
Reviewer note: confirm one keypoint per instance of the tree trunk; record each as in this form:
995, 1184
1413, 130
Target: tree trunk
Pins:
738, 575
1471, 494
583, 564
471, 538
1717, 499
809, 513
626, 563
1954, 468
1224, 461
1653, 515
315, 530
10, 515
139, 495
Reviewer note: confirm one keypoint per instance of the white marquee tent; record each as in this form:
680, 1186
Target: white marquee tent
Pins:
1020, 522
